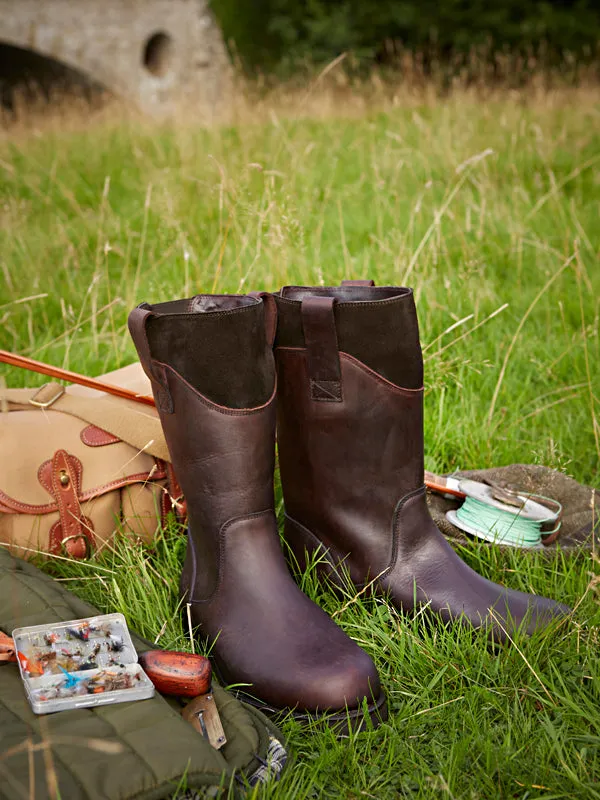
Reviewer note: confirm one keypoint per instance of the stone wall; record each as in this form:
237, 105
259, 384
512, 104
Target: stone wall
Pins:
156, 54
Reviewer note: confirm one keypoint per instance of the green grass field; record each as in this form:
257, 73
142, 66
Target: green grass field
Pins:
490, 209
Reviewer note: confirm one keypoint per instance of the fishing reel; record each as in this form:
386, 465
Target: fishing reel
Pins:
498, 514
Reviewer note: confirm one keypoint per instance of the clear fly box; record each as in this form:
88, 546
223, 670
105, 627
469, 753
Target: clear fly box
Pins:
80, 663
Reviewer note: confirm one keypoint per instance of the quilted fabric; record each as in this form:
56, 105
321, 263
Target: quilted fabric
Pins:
138, 750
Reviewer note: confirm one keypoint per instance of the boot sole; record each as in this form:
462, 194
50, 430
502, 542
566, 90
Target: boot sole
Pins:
344, 723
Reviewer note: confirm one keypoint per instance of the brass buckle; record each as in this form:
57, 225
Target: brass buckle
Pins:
60, 390
88, 549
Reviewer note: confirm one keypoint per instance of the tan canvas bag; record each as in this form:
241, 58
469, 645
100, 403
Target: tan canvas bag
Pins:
77, 465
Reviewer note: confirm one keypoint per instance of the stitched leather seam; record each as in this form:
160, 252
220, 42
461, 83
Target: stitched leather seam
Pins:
327, 551
221, 552
89, 494
70, 523
56, 493
86, 433
140, 477
42, 479
234, 412
324, 291
56, 535
364, 368
26, 508
186, 314
396, 524
75, 476
326, 391
361, 365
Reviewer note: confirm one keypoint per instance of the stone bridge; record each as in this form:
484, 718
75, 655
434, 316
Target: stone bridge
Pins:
155, 54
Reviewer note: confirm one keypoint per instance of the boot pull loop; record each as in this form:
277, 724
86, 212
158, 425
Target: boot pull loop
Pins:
137, 322
270, 308
358, 283
320, 338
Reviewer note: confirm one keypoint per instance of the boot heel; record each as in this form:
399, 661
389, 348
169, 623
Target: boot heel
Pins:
308, 552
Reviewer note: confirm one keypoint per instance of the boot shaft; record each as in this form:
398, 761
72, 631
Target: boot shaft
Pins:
350, 418
213, 379
377, 325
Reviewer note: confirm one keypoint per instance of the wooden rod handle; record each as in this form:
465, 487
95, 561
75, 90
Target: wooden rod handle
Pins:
15, 360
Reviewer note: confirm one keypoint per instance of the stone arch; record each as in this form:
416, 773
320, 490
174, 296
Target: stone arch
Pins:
153, 53
28, 73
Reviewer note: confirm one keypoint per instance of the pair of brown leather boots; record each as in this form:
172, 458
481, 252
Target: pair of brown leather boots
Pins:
338, 373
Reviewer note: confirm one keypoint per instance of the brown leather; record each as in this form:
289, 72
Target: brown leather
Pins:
352, 477
173, 499
137, 327
270, 313
96, 437
72, 533
322, 354
263, 630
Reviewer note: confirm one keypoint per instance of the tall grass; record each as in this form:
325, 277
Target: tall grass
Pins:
487, 204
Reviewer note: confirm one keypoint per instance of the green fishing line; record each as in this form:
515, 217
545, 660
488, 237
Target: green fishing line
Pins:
502, 527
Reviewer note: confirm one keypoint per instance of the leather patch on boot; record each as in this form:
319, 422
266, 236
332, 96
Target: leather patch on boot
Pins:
326, 390
96, 437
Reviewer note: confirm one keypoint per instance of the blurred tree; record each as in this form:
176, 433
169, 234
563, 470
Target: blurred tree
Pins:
285, 33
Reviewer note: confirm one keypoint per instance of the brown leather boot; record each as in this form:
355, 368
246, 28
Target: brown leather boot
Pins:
350, 442
213, 378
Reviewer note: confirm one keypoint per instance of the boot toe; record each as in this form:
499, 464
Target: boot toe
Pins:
543, 611
526, 613
346, 683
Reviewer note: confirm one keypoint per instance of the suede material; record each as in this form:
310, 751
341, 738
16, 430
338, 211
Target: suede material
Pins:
218, 345
367, 319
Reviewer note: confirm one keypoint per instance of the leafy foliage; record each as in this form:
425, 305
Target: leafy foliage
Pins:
283, 33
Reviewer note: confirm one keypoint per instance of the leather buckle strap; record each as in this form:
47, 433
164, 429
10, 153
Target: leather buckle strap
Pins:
46, 395
72, 533
80, 548
320, 338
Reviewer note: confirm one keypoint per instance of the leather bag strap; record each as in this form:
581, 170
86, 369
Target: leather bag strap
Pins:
358, 283
73, 532
320, 338
128, 420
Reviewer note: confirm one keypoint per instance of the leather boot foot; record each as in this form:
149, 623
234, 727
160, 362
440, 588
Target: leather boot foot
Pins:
350, 445
270, 641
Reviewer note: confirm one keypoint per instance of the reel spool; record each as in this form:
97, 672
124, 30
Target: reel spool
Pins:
498, 514
523, 521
